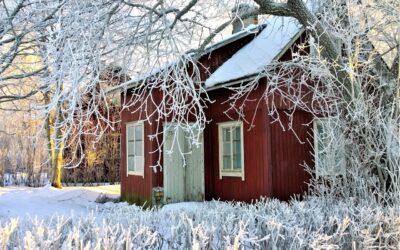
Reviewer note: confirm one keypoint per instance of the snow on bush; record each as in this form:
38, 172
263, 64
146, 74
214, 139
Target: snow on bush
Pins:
267, 224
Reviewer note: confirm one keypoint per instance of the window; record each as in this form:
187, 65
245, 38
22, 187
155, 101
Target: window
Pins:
231, 158
135, 148
329, 148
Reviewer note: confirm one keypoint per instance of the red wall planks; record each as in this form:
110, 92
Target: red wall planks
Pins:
138, 188
289, 154
256, 161
272, 157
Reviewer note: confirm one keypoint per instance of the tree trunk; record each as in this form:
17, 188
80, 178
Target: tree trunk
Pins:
55, 147
57, 167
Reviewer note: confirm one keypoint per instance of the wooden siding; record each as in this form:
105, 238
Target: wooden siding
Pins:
139, 188
289, 155
272, 157
257, 180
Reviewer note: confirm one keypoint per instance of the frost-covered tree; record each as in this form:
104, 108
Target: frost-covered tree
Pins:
352, 74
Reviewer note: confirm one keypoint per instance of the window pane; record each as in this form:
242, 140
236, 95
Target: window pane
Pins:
129, 132
131, 163
131, 149
226, 134
138, 148
226, 149
320, 133
236, 146
237, 158
322, 137
236, 133
226, 164
329, 149
321, 148
237, 151
237, 162
138, 132
139, 163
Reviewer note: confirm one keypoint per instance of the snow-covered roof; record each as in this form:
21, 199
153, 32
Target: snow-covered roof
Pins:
276, 35
273, 40
251, 29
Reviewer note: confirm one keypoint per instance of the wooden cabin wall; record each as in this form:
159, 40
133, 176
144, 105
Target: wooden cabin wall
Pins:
291, 149
271, 156
259, 146
289, 154
274, 156
138, 189
257, 170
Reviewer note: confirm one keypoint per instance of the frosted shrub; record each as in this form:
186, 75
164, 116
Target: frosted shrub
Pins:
313, 223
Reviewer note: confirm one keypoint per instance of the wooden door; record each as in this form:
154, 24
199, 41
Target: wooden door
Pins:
174, 188
194, 171
183, 176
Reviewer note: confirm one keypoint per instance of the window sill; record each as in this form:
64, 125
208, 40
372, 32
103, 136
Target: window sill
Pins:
232, 174
135, 173
329, 176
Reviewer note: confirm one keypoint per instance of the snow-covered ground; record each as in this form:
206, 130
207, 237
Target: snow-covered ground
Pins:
48, 218
48, 201
27, 202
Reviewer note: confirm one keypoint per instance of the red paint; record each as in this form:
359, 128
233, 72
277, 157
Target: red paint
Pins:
272, 156
140, 186
289, 153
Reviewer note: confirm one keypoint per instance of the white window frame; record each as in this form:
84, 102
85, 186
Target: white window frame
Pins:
318, 171
128, 125
225, 173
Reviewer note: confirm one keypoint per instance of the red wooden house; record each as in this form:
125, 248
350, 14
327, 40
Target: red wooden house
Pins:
234, 161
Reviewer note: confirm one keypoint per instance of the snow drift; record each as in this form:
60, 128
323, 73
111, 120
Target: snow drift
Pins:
267, 224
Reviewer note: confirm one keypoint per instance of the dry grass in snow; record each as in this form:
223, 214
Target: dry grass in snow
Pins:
319, 223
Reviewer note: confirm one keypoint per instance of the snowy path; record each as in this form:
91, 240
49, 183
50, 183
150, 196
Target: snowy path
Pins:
49, 201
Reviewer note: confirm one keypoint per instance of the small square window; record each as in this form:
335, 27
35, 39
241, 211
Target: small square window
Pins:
231, 149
